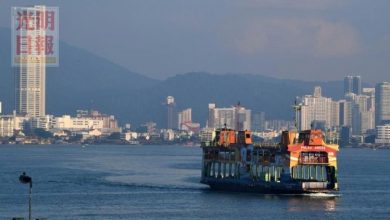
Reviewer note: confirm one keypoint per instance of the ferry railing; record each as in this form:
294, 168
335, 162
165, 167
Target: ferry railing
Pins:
266, 145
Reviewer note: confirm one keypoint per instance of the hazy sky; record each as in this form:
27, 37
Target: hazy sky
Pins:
302, 39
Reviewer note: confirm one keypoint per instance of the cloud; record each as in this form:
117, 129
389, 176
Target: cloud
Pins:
316, 37
294, 4
336, 39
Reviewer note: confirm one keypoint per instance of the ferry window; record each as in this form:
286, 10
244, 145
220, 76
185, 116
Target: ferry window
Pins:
272, 159
303, 137
310, 172
248, 156
313, 157
260, 158
300, 138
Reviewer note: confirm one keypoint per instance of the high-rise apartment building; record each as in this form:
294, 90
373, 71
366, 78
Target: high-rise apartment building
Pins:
243, 118
184, 121
370, 92
184, 117
171, 113
316, 108
353, 84
382, 103
358, 113
235, 117
30, 73
370, 115
345, 113
30, 97
258, 121
363, 115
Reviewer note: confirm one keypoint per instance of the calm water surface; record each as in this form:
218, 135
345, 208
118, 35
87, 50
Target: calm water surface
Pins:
161, 182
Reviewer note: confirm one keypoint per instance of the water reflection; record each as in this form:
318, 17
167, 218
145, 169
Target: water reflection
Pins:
312, 203
316, 203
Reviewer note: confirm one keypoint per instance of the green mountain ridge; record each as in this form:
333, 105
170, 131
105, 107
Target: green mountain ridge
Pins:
84, 81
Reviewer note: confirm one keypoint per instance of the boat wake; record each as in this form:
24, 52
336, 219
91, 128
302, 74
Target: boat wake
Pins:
322, 195
156, 184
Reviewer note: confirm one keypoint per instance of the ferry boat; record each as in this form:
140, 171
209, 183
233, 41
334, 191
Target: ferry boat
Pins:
301, 163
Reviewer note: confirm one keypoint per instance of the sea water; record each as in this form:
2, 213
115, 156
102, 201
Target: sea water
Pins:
162, 182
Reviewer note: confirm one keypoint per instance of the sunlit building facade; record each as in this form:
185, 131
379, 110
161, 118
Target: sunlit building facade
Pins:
382, 103
30, 74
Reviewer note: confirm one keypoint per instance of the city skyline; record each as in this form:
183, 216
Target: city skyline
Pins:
104, 105
356, 110
364, 105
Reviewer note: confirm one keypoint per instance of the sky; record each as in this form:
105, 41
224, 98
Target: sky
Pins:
294, 39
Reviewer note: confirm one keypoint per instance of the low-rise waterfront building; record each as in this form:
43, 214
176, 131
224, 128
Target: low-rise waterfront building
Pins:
383, 134
86, 121
11, 124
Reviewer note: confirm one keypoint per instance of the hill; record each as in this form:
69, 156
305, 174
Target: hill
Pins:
256, 92
84, 80
78, 82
